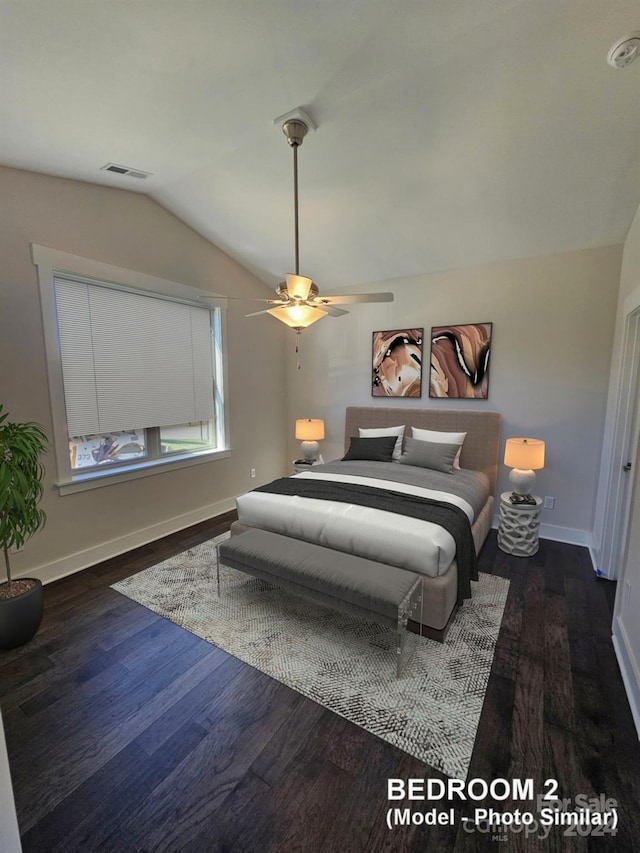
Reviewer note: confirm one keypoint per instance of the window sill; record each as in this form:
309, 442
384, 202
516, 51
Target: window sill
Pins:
114, 474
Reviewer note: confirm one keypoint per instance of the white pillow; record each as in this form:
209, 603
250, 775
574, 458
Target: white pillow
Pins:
443, 437
378, 433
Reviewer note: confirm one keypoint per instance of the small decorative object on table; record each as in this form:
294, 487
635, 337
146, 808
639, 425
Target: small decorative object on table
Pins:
520, 500
302, 465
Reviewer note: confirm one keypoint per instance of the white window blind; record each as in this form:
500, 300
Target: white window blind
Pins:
131, 360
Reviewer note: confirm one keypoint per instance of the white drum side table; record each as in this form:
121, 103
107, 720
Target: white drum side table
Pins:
519, 526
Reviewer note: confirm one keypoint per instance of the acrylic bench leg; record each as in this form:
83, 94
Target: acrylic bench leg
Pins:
413, 602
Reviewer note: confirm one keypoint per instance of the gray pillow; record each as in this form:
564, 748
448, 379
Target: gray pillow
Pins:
371, 449
430, 454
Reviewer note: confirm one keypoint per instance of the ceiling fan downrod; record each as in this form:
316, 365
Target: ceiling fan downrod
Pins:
299, 304
295, 130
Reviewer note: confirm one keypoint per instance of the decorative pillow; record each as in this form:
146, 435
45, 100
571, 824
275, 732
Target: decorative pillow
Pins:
444, 437
378, 433
372, 449
430, 454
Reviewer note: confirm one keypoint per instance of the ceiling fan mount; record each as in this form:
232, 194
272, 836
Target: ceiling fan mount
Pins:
295, 129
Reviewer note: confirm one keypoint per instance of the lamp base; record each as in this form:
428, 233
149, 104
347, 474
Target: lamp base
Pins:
522, 480
309, 450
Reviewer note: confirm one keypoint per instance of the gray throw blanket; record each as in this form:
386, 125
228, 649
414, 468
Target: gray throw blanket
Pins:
451, 517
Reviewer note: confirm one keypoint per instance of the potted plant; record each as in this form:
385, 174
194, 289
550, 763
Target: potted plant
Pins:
21, 474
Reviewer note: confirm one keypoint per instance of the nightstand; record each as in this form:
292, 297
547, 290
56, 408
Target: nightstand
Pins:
519, 526
301, 467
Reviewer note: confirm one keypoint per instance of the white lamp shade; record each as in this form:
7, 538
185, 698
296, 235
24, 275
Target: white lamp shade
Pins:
310, 429
527, 454
297, 316
298, 286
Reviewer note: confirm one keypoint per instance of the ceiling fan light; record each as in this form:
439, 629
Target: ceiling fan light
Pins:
298, 286
297, 316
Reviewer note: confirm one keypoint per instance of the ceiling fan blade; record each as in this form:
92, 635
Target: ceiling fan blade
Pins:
247, 299
354, 297
333, 312
257, 313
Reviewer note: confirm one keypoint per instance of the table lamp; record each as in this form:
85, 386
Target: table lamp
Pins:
310, 431
524, 456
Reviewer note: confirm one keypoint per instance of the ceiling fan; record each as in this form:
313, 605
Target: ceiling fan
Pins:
299, 303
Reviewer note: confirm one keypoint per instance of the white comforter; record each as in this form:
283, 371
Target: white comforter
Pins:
386, 537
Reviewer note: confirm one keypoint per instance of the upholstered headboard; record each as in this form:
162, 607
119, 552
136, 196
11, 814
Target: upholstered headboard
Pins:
481, 446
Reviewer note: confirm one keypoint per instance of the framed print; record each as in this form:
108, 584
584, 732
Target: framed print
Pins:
397, 363
460, 361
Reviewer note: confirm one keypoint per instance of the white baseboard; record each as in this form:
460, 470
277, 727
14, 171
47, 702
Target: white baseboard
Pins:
570, 535
630, 675
595, 550
72, 563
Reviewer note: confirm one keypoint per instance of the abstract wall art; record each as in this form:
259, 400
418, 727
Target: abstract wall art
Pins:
460, 361
397, 363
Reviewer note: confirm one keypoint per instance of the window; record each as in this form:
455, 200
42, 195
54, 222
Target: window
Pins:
136, 370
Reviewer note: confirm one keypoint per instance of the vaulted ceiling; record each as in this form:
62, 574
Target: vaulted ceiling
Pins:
450, 132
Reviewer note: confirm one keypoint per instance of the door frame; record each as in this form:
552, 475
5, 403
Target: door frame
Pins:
622, 409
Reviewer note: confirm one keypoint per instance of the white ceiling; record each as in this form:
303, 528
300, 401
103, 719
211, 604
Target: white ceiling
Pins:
450, 132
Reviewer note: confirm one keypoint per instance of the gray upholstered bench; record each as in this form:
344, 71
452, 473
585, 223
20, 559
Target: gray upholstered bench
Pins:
376, 591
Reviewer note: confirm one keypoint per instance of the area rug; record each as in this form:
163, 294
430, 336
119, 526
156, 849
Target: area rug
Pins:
345, 663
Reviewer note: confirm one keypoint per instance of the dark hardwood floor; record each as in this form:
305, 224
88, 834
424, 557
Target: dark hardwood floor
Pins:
126, 733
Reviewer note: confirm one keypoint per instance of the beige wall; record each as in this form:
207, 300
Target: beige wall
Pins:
129, 230
553, 320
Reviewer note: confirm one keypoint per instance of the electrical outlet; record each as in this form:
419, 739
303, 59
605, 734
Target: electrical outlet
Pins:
253, 473
549, 502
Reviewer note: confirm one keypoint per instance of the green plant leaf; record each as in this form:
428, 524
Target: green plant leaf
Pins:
21, 475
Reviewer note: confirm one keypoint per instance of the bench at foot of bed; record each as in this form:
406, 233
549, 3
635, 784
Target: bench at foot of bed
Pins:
386, 594
439, 595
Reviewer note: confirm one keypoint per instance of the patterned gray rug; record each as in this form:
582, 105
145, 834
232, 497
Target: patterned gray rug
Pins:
344, 663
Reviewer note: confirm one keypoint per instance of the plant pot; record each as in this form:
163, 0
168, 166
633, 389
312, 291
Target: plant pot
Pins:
20, 616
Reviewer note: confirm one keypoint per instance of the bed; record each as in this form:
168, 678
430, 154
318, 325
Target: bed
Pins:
324, 505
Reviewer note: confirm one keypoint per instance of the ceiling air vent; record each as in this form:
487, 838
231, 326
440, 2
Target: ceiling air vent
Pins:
125, 170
